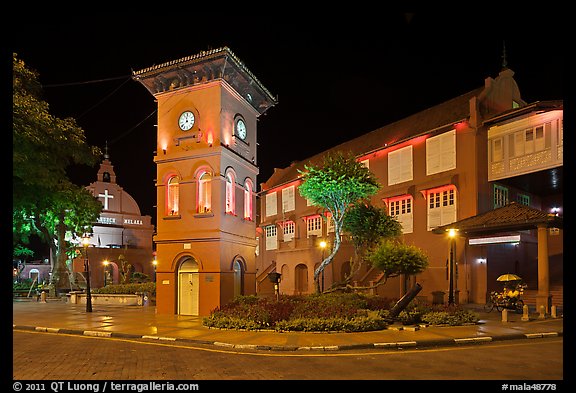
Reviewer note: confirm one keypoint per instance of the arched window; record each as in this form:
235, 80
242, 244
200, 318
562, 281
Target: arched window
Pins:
34, 275
248, 211
238, 278
204, 192
172, 196
230, 192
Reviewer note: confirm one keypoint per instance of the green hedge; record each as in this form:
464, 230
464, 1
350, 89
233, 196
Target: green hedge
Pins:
372, 321
456, 318
126, 289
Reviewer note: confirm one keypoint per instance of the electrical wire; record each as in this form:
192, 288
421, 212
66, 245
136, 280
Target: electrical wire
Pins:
103, 99
84, 82
127, 78
132, 129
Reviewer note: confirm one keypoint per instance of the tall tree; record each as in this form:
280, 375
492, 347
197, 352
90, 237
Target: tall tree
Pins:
367, 225
45, 202
394, 258
335, 186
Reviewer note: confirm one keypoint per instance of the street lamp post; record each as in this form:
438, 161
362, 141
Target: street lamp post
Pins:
86, 242
106, 263
451, 236
323, 247
155, 263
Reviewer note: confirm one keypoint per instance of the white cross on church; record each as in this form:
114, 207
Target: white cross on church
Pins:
106, 196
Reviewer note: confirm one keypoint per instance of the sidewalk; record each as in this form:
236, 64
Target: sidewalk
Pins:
57, 316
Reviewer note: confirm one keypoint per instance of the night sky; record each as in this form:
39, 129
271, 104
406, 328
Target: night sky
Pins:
335, 78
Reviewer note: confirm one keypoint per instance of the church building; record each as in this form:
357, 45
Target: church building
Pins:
121, 235
206, 160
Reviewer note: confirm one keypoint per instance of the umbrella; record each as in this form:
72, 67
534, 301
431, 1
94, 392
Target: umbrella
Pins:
508, 277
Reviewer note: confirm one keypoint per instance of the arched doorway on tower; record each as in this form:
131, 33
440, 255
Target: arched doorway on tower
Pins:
188, 287
239, 269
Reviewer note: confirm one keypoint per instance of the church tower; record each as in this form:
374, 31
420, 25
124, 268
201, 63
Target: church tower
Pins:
206, 159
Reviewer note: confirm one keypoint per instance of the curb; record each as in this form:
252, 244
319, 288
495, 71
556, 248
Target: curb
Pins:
330, 348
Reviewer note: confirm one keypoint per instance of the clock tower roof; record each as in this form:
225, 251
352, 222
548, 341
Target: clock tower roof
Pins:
204, 67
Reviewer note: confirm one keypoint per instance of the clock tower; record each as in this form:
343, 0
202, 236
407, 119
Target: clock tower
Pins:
206, 160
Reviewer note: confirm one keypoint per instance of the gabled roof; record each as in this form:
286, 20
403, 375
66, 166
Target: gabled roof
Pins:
512, 217
438, 118
538, 106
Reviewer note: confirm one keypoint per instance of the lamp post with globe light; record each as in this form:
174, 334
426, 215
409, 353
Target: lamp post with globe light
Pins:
155, 263
323, 245
451, 236
86, 243
106, 264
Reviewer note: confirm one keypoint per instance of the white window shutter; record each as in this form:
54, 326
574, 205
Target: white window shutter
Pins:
406, 220
432, 155
271, 237
441, 153
448, 151
393, 168
271, 204
448, 214
434, 218
406, 164
400, 165
271, 242
288, 199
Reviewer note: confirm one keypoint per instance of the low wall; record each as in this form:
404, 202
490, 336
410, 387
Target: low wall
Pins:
140, 299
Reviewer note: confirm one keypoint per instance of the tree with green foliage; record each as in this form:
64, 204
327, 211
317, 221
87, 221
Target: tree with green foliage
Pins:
125, 269
45, 202
394, 258
336, 186
367, 225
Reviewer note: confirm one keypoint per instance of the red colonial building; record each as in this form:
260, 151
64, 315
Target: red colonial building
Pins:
474, 153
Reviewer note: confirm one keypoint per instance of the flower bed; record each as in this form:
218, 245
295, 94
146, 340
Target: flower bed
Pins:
347, 312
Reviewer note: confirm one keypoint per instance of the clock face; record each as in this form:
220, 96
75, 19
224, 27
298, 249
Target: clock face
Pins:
241, 129
186, 121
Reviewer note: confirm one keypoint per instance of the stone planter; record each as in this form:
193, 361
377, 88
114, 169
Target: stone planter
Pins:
137, 299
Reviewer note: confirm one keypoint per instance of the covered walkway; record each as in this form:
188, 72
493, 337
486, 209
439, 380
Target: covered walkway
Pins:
510, 218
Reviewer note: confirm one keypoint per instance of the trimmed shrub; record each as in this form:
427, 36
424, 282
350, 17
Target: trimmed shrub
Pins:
371, 321
126, 289
458, 317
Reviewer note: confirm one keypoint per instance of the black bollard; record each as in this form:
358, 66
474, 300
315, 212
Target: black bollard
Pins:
405, 300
